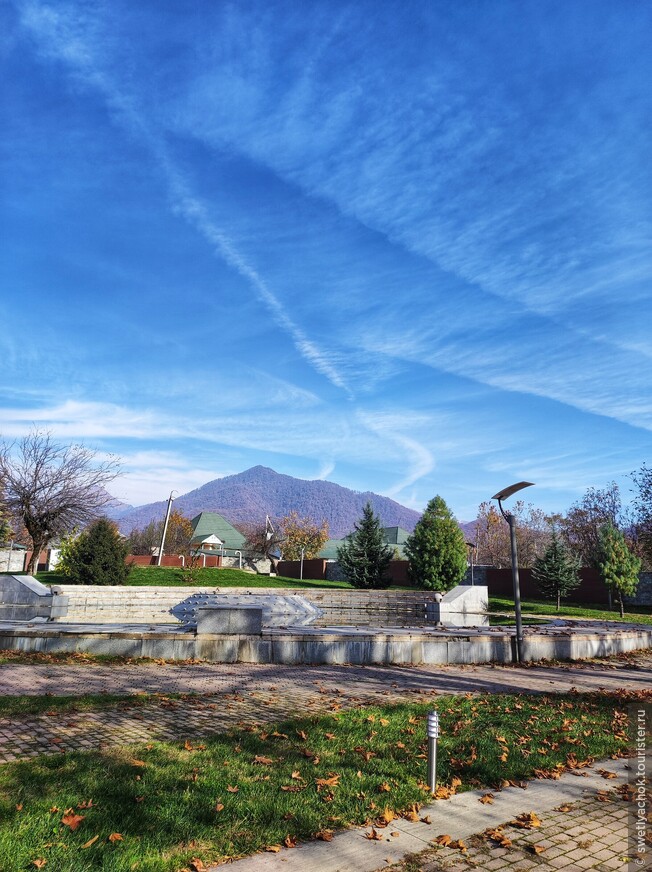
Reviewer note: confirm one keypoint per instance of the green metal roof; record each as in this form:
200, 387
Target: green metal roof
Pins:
210, 523
395, 535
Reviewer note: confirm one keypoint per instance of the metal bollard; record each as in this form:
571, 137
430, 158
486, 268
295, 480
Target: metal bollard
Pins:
433, 735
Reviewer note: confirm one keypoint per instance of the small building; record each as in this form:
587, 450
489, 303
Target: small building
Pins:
396, 537
212, 533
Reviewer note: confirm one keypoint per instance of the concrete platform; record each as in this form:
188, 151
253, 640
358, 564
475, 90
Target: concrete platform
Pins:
335, 645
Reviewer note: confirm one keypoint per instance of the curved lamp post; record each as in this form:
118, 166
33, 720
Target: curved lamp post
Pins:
165, 528
511, 520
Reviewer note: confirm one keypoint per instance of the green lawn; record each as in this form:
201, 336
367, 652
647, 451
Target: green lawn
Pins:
642, 615
164, 576
156, 807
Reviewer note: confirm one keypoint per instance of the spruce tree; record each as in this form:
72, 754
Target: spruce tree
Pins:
619, 568
365, 555
556, 573
436, 550
98, 556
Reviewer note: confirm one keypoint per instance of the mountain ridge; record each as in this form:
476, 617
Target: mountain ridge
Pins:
246, 497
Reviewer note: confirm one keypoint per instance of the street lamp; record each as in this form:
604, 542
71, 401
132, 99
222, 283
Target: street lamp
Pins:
471, 548
165, 528
511, 520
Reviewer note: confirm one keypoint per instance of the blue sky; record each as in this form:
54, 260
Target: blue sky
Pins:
404, 246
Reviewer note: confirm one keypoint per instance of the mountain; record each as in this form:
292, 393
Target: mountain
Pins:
250, 495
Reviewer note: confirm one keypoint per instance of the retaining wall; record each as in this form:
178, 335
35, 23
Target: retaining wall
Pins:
151, 605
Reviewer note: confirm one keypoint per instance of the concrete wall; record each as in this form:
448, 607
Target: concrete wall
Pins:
328, 647
23, 598
12, 560
151, 605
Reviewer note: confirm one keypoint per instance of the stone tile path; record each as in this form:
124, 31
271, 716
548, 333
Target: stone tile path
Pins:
229, 694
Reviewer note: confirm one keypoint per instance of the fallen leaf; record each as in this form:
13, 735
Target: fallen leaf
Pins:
290, 841
39, 862
90, 842
197, 865
302, 735
296, 775
384, 788
54, 809
395, 834
374, 835
116, 837
264, 761
537, 849
387, 816
72, 820
443, 840
526, 821
138, 763
425, 819
219, 806
458, 845
325, 835
563, 808
232, 788
487, 799
331, 781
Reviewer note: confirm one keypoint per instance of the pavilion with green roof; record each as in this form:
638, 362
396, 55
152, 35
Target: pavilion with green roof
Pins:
212, 532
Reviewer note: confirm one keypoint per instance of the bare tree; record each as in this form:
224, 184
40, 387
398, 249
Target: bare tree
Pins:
52, 488
585, 519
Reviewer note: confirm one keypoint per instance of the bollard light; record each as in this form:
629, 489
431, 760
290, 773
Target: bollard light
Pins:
432, 730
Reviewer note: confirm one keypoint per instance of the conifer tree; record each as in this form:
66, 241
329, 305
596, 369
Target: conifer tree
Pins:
556, 573
98, 555
436, 551
619, 568
365, 555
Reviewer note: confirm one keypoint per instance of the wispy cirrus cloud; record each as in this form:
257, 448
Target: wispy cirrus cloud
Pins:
65, 34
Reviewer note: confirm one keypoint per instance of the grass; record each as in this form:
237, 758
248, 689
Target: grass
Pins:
156, 807
594, 613
167, 576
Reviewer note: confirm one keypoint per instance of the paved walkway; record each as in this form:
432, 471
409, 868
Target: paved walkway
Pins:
580, 822
229, 694
583, 819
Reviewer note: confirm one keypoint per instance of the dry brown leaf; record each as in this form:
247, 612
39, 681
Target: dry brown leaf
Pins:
425, 819
374, 835
387, 816
325, 835
332, 781
302, 735
384, 788
39, 862
563, 808
443, 840
72, 820
116, 837
90, 842
138, 763
458, 845
219, 806
290, 788
290, 841
537, 849
54, 809
395, 834
487, 799
197, 865
526, 821
232, 788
